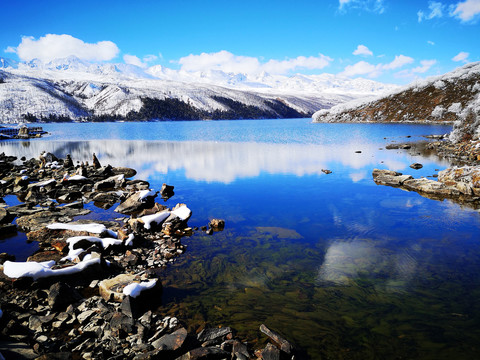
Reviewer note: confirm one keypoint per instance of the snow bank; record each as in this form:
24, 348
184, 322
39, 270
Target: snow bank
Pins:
143, 194
75, 178
156, 218
182, 212
37, 270
134, 289
43, 183
106, 242
91, 228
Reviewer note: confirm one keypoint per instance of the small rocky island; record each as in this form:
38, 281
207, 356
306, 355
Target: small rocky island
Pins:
92, 288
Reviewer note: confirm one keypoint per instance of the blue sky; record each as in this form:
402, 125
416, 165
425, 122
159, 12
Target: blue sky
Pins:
385, 40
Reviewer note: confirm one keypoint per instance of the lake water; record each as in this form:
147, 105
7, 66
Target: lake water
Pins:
344, 268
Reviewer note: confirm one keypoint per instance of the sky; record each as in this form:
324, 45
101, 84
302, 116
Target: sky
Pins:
394, 41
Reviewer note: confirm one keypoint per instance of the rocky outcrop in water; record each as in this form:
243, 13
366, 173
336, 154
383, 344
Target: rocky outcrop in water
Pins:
460, 184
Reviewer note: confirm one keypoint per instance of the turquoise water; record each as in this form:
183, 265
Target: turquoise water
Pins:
343, 267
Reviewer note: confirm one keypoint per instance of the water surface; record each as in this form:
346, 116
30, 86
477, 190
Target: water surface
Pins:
343, 267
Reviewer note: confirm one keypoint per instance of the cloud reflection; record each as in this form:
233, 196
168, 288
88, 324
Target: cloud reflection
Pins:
222, 162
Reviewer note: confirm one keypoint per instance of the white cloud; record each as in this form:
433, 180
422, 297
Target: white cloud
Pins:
133, 60
284, 66
53, 46
425, 66
368, 5
461, 56
228, 62
362, 68
430, 42
399, 61
373, 71
362, 50
466, 11
150, 58
436, 11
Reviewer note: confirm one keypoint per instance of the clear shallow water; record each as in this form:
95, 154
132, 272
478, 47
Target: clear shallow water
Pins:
343, 267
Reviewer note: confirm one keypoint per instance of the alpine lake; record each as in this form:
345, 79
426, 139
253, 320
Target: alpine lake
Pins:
342, 267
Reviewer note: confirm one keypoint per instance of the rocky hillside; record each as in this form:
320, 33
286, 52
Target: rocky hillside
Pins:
453, 97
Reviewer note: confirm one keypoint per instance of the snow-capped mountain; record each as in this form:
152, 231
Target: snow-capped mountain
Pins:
78, 89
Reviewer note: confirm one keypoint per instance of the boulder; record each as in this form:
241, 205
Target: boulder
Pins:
277, 338
430, 187
391, 180
127, 172
378, 172
136, 202
60, 295
217, 224
205, 353
110, 183
465, 179
171, 342
209, 334
416, 166
166, 192
270, 352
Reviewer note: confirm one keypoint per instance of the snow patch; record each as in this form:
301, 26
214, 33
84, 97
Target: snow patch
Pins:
91, 228
44, 269
135, 289
157, 218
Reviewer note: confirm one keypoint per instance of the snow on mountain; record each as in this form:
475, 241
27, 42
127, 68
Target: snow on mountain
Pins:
445, 98
77, 89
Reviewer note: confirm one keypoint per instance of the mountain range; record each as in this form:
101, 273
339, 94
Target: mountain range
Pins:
71, 89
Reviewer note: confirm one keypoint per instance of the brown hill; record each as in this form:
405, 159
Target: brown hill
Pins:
447, 98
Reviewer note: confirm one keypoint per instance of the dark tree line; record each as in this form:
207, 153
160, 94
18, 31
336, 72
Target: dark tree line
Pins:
175, 109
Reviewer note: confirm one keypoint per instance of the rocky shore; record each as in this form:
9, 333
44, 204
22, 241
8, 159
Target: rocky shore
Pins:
459, 183
92, 288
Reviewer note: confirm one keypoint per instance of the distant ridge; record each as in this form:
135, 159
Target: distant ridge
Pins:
71, 89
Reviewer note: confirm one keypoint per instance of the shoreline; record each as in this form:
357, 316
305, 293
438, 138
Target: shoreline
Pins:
91, 289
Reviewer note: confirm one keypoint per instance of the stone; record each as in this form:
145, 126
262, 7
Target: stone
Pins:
279, 339
465, 179
42, 218
127, 172
416, 166
206, 353
5, 216
61, 295
7, 229
377, 172
208, 334
121, 321
112, 289
166, 192
85, 316
95, 162
68, 163
217, 224
171, 342
392, 180
135, 203
112, 182
270, 352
